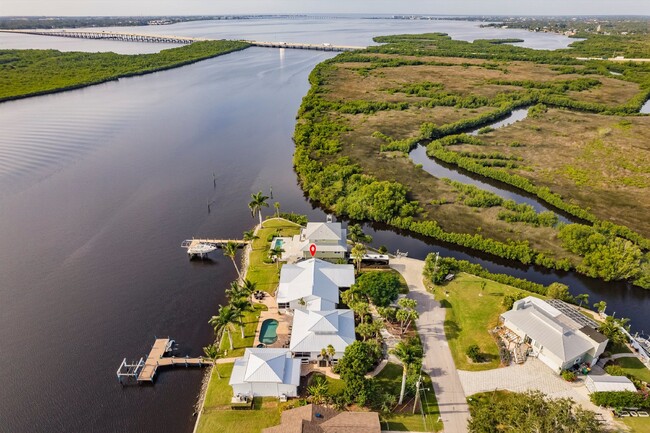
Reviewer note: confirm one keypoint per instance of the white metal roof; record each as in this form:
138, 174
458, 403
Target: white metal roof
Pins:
538, 322
267, 365
315, 330
609, 383
323, 232
313, 278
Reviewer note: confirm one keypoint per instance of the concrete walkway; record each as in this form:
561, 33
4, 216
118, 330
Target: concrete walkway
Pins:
437, 361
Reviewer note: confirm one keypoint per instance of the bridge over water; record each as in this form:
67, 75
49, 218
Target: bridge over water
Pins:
169, 39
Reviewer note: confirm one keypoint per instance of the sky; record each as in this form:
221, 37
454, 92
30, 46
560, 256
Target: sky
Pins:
217, 7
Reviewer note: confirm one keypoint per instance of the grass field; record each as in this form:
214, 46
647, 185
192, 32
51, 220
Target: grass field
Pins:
637, 425
635, 368
471, 313
267, 275
218, 417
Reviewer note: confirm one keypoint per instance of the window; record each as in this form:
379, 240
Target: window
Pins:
301, 354
283, 305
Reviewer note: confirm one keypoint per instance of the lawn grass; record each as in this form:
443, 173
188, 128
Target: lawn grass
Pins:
617, 348
471, 313
250, 326
635, 368
218, 417
267, 275
637, 425
403, 287
390, 379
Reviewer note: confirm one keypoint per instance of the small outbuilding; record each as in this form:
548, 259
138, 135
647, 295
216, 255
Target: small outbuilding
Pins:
606, 383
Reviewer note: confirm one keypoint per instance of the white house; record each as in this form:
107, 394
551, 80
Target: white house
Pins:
606, 383
266, 372
313, 284
557, 340
330, 240
315, 330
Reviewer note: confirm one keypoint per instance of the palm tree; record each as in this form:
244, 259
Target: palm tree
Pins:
584, 297
250, 236
241, 305
358, 251
224, 322
235, 291
331, 351
601, 306
212, 353
230, 250
408, 352
319, 390
276, 205
248, 286
323, 355
258, 201
276, 253
356, 234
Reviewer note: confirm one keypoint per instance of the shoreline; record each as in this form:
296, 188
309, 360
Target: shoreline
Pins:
113, 78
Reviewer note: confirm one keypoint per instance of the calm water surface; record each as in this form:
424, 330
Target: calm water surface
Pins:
99, 186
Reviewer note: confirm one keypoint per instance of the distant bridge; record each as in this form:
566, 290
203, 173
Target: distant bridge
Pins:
169, 39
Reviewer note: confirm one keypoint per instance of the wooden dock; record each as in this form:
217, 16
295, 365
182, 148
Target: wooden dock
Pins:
145, 370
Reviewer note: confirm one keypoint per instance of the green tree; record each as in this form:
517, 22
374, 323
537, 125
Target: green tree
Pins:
380, 287
356, 234
276, 253
612, 328
558, 291
357, 359
367, 330
225, 321
318, 390
250, 236
248, 286
258, 200
410, 353
230, 250
583, 297
474, 353
331, 352
235, 291
242, 305
530, 412
212, 353
406, 313
601, 306
358, 251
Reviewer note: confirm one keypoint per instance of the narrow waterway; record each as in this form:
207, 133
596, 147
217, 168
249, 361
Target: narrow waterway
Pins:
99, 186
441, 170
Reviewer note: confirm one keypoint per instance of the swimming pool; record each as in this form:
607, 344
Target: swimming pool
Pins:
278, 243
268, 332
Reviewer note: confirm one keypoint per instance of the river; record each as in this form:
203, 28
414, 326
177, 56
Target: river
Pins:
99, 186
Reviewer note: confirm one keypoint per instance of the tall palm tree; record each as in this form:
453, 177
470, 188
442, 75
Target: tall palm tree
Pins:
276, 205
584, 297
235, 291
242, 305
225, 321
408, 352
358, 251
230, 250
212, 353
276, 254
258, 201
250, 236
248, 286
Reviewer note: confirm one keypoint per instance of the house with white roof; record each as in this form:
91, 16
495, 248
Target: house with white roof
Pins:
315, 330
313, 284
266, 372
556, 339
330, 239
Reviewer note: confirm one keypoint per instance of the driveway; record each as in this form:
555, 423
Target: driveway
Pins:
437, 361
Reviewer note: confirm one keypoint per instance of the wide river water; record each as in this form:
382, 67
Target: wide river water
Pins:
99, 186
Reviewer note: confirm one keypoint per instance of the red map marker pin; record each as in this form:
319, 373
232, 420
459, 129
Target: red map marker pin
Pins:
312, 249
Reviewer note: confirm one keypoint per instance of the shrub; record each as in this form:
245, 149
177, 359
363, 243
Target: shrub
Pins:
294, 217
620, 399
569, 376
474, 353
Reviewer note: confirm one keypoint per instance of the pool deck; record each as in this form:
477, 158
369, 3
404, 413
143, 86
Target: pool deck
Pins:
284, 322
